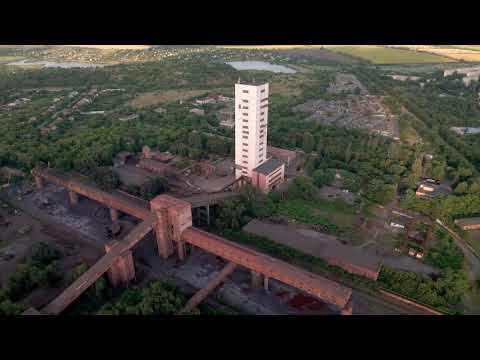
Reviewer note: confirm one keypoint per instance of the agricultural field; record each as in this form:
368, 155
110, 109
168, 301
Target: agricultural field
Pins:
470, 53
383, 55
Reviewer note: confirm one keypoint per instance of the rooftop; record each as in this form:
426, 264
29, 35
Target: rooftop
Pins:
468, 221
268, 166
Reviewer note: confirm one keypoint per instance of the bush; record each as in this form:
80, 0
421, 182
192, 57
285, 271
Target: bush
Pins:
445, 254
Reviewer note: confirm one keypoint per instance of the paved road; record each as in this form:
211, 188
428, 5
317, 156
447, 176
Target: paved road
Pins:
472, 257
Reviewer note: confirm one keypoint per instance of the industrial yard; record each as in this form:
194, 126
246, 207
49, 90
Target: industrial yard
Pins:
250, 191
366, 112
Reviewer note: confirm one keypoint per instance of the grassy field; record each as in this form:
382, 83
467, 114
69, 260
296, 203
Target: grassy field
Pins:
337, 217
473, 238
162, 97
373, 53
383, 55
8, 58
408, 134
466, 47
458, 53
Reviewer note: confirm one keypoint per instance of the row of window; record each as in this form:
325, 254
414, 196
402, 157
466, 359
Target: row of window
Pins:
263, 106
275, 181
275, 173
264, 99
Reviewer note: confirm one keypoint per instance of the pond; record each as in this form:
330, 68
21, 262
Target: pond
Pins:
50, 64
261, 65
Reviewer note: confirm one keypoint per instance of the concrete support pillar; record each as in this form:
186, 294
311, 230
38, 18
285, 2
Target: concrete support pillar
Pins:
348, 309
39, 182
114, 215
256, 282
123, 269
73, 197
211, 286
162, 233
173, 217
181, 250
265, 283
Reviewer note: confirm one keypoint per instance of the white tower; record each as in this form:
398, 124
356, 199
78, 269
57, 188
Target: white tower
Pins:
251, 118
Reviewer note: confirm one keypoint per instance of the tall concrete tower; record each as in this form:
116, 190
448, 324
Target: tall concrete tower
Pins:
251, 118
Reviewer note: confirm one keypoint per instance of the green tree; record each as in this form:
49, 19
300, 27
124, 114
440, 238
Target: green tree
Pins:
461, 188
302, 188
323, 177
308, 142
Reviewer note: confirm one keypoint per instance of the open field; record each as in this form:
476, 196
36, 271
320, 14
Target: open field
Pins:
473, 238
383, 55
114, 47
8, 58
373, 53
468, 53
156, 97
408, 134
270, 47
467, 47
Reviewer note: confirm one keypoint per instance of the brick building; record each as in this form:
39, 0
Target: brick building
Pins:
287, 156
155, 166
268, 175
469, 223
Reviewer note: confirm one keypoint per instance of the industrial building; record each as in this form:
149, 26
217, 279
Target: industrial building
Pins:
428, 190
251, 119
469, 223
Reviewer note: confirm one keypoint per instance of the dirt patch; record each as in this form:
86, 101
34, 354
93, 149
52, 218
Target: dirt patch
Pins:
359, 112
346, 83
162, 97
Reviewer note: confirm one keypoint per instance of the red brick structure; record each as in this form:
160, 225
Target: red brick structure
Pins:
469, 223
123, 269
269, 175
171, 219
287, 156
155, 166
156, 155
205, 169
